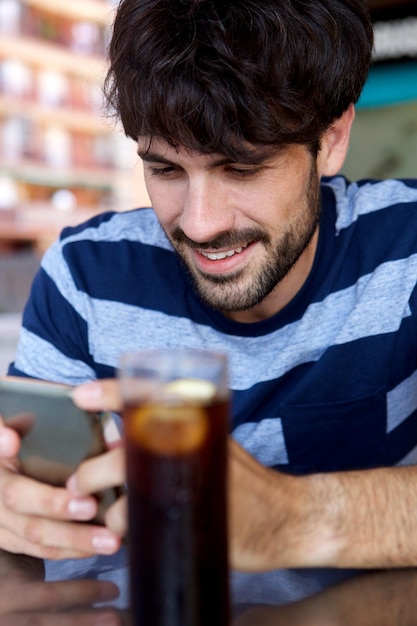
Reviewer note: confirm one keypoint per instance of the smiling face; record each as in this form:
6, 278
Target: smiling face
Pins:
247, 232
238, 228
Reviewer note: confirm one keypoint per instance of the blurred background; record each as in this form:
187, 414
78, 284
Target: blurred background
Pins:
62, 160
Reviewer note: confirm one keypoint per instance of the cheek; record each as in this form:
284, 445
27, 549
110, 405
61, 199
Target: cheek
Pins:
284, 198
166, 204
267, 205
278, 208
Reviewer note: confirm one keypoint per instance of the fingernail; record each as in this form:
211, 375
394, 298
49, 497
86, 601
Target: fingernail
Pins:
104, 543
4, 443
82, 509
108, 591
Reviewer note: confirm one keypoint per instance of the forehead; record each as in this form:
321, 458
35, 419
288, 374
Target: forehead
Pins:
158, 146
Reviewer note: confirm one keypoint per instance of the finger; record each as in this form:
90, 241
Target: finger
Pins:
9, 441
267, 616
34, 521
55, 596
99, 473
99, 395
116, 517
96, 617
73, 594
24, 495
47, 539
18, 545
22, 423
21, 567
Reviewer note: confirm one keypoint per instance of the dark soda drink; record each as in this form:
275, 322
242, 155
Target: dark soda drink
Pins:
177, 466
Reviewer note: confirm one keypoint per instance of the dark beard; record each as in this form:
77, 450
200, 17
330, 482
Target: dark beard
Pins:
225, 293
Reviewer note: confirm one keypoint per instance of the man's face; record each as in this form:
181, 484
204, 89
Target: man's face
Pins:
239, 228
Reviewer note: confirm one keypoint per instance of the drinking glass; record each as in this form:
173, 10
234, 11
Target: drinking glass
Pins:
176, 420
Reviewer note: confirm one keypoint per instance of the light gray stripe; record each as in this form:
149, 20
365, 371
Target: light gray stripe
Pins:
40, 359
355, 200
140, 225
370, 301
354, 313
401, 402
263, 440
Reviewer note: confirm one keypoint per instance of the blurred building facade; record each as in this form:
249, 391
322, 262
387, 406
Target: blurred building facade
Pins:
61, 159
384, 135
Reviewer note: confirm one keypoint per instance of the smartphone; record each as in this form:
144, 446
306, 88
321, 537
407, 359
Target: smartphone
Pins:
56, 435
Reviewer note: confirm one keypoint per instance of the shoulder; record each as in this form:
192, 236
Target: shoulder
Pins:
139, 225
110, 231
374, 198
103, 249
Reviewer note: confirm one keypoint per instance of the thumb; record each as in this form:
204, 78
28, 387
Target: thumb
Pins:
98, 395
9, 441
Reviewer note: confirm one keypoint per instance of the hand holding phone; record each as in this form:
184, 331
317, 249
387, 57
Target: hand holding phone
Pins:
56, 435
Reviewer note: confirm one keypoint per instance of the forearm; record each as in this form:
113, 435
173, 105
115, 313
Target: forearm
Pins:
369, 517
361, 519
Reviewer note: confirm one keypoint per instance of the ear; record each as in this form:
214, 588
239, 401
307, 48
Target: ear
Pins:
334, 144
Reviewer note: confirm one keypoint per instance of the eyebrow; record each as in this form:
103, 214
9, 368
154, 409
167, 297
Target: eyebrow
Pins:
153, 157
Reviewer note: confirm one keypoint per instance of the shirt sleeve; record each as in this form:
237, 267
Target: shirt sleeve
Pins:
53, 342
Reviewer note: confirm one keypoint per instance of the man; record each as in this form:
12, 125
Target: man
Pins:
254, 246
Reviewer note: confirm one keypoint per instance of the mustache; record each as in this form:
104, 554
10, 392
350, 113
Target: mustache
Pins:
227, 239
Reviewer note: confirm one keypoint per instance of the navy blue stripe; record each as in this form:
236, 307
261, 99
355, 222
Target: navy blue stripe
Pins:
368, 242
347, 436
136, 274
14, 371
93, 222
373, 239
104, 371
363, 368
335, 418
101, 370
126, 272
63, 327
408, 182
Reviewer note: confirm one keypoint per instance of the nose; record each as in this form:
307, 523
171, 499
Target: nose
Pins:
206, 212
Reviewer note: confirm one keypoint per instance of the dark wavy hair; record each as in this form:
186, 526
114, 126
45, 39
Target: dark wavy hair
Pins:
223, 76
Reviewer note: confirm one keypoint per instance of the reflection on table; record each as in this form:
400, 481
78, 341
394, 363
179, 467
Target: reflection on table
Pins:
386, 598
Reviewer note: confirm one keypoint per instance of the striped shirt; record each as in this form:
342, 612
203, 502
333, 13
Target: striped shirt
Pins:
328, 383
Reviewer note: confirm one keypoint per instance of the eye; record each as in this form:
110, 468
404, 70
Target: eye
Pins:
243, 172
162, 171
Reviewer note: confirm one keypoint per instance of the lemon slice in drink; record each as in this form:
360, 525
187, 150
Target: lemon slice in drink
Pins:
168, 429
192, 390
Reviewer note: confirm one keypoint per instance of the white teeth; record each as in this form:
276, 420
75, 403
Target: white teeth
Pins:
217, 256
